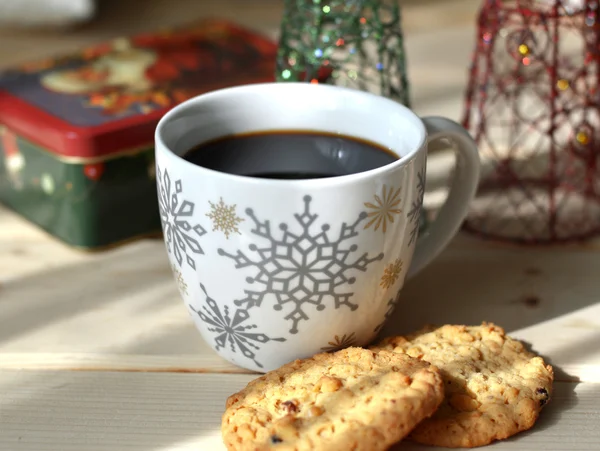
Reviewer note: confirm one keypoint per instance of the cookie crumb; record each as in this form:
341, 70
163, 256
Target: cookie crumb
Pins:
328, 384
463, 403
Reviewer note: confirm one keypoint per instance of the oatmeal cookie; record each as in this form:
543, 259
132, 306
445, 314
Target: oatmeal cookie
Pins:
352, 399
494, 387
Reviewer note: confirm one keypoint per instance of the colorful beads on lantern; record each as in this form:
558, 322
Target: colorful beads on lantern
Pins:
532, 106
582, 138
562, 84
354, 44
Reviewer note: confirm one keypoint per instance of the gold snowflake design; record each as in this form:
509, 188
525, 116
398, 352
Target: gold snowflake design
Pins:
384, 208
340, 342
391, 274
181, 285
224, 218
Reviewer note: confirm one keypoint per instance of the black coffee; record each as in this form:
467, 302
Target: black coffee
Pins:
290, 155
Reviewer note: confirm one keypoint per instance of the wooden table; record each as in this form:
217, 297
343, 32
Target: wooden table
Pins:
98, 353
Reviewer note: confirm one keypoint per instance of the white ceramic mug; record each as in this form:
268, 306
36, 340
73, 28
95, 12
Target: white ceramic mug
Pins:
273, 270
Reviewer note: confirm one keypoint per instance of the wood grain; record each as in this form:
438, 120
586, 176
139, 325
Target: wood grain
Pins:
97, 351
120, 310
63, 411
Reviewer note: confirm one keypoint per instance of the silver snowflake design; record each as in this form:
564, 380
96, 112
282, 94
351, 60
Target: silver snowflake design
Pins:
414, 214
302, 269
391, 305
176, 216
231, 329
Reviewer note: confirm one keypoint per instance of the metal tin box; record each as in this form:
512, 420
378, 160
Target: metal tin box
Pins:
76, 132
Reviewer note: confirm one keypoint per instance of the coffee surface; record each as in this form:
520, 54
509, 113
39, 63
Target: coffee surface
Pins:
290, 155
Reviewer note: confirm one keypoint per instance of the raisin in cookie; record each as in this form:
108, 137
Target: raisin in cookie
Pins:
352, 399
494, 387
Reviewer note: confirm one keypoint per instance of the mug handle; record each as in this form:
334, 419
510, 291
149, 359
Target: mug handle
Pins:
462, 190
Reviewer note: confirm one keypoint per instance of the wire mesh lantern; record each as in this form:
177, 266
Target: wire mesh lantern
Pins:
532, 105
352, 43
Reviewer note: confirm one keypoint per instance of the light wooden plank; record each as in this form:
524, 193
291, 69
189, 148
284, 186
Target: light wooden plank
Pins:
64, 314
205, 361
119, 310
62, 411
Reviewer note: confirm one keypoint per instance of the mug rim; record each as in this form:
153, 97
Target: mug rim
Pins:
330, 90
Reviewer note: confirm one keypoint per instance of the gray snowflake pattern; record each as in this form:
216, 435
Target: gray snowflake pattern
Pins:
301, 269
391, 305
181, 236
232, 329
414, 214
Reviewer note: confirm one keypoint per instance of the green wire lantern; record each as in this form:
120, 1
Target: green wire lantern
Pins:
353, 43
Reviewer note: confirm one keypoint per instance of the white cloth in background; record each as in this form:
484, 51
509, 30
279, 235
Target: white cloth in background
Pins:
46, 12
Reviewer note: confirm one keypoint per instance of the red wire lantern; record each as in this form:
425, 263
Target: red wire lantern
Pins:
532, 105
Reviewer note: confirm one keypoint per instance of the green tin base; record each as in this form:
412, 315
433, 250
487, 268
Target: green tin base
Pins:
89, 206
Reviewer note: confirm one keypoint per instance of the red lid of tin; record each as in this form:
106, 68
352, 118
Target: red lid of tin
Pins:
107, 100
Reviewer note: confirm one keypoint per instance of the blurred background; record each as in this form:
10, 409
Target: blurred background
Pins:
31, 29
